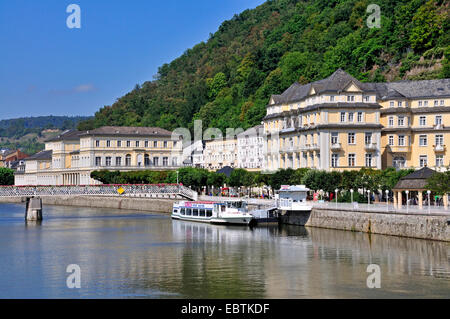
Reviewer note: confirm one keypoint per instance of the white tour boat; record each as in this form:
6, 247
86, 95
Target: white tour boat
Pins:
293, 199
228, 212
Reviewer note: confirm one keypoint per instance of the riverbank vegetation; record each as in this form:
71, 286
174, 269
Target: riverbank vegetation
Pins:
316, 180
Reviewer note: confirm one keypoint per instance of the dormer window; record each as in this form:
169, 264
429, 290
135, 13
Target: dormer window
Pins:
425, 103
420, 103
350, 98
392, 104
332, 98
400, 104
367, 99
436, 103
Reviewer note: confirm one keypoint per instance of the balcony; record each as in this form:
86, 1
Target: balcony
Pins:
336, 147
287, 149
372, 147
314, 148
439, 148
400, 149
305, 147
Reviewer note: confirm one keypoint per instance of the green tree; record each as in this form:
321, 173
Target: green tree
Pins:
6, 176
439, 183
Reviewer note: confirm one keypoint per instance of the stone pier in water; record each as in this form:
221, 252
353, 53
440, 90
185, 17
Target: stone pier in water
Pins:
33, 209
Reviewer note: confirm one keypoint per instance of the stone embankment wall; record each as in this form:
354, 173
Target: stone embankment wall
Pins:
154, 205
434, 227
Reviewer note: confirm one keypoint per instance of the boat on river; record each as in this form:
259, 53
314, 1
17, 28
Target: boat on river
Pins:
227, 212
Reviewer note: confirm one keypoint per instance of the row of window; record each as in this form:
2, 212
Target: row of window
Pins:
108, 161
196, 212
423, 140
136, 144
436, 103
421, 103
349, 117
351, 160
422, 120
368, 138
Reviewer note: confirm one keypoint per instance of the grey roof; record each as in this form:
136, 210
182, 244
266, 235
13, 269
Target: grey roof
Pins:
421, 89
227, 170
424, 173
128, 131
69, 135
340, 80
415, 181
259, 129
41, 156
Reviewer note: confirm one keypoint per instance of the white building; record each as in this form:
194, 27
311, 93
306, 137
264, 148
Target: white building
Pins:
251, 148
70, 158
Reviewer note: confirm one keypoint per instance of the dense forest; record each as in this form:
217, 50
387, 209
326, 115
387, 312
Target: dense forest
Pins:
226, 81
17, 128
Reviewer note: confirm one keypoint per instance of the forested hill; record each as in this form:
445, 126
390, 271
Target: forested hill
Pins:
17, 128
227, 81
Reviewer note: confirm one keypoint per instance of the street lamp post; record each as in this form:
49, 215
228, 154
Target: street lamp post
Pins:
429, 201
368, 196
336, 190
351, 192
177, 178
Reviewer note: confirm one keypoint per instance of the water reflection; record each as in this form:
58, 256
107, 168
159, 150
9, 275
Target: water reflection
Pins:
127, 254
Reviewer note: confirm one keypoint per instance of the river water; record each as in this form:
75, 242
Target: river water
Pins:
125, 254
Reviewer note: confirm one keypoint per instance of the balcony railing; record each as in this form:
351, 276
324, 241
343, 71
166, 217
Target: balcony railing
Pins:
336, 146
400, 149
439, 148
371, 147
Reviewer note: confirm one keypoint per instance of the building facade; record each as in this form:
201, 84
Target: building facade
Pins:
11, 159
339, 123
220, 153
70, 158
251, 149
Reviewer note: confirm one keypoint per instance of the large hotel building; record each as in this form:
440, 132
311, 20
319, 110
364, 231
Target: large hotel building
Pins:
340, 123
70, 158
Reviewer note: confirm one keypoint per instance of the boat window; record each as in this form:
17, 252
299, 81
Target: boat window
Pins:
209, 213
202, 213
195, 212
189, 212
183, 211
223, 208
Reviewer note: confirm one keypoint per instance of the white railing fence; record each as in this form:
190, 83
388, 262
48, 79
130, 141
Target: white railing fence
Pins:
99, 190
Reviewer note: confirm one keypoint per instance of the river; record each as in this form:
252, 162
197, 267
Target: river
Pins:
125, 254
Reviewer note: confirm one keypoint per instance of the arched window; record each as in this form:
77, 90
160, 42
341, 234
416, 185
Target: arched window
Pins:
128, 160
399, 162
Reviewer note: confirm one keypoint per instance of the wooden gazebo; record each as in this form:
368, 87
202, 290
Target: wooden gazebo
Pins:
414, 182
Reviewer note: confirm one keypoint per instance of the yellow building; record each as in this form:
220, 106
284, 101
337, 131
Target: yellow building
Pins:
416, 124
340, 123
70, 158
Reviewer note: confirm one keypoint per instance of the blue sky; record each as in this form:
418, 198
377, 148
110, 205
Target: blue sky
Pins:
48, 69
